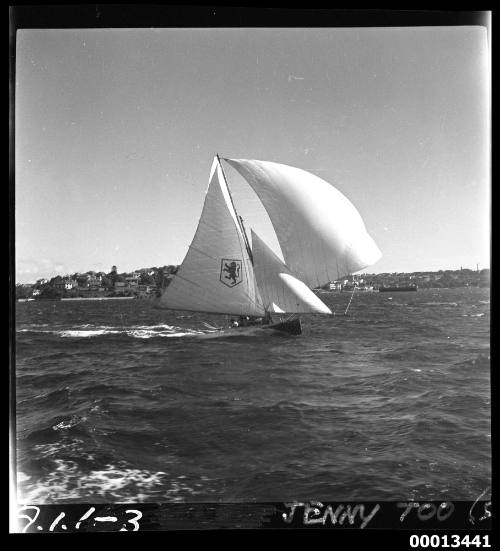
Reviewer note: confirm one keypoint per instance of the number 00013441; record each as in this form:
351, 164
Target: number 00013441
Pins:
454, 541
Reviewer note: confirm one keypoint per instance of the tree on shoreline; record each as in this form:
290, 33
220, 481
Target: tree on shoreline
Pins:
49, 292
146, 279
113, 275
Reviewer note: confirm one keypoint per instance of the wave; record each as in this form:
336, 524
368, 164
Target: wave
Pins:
86, 332
75, 420
135, 331
352, 391
118, 483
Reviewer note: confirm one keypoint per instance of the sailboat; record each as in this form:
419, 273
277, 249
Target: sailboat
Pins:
321, 234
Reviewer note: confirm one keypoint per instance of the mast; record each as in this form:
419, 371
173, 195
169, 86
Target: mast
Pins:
238, 217
245, 237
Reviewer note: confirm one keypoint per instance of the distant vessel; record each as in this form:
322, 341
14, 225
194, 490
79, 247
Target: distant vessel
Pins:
358, 288
321, 234
384, 289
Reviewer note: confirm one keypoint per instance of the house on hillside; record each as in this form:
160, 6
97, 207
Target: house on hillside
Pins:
70, 284
93, 279
133, 279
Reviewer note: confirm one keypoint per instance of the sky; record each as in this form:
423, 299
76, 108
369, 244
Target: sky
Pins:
116, 131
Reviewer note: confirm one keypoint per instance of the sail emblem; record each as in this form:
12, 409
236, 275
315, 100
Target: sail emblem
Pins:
230, 272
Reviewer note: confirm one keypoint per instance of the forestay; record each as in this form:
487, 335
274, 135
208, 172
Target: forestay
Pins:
321, 234
216, 275
280, 291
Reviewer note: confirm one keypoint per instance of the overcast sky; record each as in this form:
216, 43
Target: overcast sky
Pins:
116, 132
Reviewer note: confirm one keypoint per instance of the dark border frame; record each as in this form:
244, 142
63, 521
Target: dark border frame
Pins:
195, 16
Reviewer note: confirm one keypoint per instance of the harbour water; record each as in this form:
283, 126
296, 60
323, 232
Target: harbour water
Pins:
120, 402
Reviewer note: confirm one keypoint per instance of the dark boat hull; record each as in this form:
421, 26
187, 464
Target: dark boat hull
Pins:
289, 327
292, 327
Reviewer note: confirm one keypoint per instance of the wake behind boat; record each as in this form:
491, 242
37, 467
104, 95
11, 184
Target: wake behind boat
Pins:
321, 234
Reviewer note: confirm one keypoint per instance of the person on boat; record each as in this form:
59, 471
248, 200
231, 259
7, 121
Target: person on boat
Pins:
244, 321
234, 323
266, 320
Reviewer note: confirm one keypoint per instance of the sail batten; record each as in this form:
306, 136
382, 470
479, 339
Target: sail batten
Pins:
320, 232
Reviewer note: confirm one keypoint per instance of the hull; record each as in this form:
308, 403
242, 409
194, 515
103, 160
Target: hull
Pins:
290, 327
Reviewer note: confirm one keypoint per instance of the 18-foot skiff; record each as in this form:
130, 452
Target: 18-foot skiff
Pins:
320, 232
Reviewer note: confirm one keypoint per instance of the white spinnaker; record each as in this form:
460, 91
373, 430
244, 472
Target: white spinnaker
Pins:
321, 234
205, 281
280, 291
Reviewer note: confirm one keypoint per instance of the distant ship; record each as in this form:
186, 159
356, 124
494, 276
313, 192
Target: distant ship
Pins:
357, 288
384, 289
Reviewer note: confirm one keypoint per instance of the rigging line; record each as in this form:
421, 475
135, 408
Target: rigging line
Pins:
245, 238
243, 243
241, 236
316, 265
326, 263
353, 289
250, 280
252, 300
237, 219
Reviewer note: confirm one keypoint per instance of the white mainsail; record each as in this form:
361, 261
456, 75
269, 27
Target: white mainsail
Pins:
216, 275
280, 291
321, 234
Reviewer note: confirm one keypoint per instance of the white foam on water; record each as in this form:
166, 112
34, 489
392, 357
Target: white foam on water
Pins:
22, 477
75, 420
75, 446
135, 331
146, 334
119, 483
150, 327
139, 332
86, 333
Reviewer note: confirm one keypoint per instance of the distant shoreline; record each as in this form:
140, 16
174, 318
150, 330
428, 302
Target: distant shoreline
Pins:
149, 283
72, 298
97, 298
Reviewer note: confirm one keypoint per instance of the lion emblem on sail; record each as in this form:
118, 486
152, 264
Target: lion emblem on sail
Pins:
230, 272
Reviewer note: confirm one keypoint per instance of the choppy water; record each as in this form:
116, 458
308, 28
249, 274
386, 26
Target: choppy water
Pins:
119, 402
